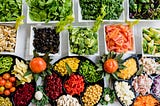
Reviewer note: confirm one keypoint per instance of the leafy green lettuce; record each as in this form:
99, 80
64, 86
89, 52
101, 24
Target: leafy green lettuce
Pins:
10, 10
49, 10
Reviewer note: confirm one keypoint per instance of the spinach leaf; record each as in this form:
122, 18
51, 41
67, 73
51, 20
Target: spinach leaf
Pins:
49, 10
10, 10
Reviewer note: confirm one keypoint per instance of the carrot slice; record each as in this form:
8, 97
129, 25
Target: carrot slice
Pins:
119, 38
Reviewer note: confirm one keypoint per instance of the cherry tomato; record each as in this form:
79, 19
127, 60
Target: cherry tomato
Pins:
7, 92
1, 78
12, 79
2, 82
6, 76
8, 85
110, 65
12, 89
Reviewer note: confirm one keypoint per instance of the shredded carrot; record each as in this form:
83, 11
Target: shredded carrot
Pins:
147, 100
119, 38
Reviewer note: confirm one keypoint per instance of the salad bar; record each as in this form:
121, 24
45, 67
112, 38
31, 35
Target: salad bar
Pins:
79, 53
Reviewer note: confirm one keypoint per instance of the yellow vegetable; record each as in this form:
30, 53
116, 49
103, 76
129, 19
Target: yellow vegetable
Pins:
92, 95
61, 66
19, 71
131, 68
5, 102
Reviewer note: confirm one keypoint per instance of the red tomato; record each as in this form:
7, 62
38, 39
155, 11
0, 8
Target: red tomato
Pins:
12, 89
12, 79
37, 65
8, 85
110, 65
1, 78
7, 92
6, 76
2, 82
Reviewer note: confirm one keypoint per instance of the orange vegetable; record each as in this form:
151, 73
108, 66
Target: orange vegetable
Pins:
110, 65
37, 65
130, 70
147, 100
6, 76
119, 38
7, 92
12, 89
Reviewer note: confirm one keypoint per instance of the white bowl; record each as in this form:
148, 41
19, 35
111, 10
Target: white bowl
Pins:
31, 47
13, 22
141, 20
29, 21
17, 40
128, 52
143, 54
72, 54
121, 18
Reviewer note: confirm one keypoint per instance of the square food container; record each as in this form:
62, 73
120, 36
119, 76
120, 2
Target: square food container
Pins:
128, 52
121, 18
17, 42
13, 22
29, 21
144, 54
141, 20
31, 47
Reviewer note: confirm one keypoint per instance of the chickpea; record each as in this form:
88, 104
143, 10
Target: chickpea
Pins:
92, 95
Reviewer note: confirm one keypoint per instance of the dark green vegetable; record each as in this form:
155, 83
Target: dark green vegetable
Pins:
49, 10
144, 9
44, 101
113, 9
151, 41
83, 41
5, 64
10, 10
112, 96
90, 72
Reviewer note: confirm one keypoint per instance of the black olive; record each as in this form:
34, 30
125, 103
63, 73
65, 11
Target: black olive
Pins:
46, 40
